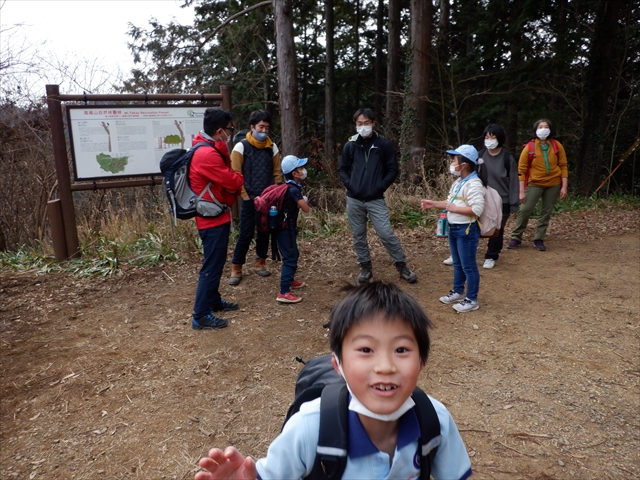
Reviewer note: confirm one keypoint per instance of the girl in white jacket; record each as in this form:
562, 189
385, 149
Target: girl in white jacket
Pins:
464, 204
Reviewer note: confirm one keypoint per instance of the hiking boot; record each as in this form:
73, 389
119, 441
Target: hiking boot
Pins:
297, 284
466, 305
225, 306
514, 243
448, 261
208, 322
261, 267
489, 263
236, 274
452, 297
539, 244
365, 272
288, 298
405, 273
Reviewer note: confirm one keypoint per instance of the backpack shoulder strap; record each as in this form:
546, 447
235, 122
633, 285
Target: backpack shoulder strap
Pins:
429, 431
556, 150
333, 439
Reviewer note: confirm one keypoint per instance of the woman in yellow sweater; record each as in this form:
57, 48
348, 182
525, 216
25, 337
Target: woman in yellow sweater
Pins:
543, 174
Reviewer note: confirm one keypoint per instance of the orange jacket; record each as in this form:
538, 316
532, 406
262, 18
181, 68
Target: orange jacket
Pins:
538, 175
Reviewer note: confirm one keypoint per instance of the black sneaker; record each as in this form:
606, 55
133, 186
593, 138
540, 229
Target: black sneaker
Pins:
208, 322
365, 272
225, 306
405, 273
539, 244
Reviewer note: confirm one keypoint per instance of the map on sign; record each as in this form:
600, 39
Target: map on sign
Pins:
115, 141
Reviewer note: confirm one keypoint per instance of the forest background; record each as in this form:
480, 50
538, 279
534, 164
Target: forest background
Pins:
436, 72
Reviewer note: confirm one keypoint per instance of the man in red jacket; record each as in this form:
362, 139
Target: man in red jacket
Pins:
213, 165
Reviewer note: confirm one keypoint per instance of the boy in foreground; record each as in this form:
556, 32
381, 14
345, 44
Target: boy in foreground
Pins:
380, 343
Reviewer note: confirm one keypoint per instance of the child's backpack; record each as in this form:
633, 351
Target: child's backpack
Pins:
318, 378
183, 201
531, 147
490, 219
271, 196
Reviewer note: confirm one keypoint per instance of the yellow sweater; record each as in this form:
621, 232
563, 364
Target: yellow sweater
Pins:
538, 175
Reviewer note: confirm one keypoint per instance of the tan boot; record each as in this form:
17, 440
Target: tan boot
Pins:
261, 267
236, 274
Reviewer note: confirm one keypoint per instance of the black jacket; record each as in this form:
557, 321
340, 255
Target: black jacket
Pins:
367, 175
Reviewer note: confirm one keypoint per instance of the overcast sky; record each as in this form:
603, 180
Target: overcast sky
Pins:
72, 31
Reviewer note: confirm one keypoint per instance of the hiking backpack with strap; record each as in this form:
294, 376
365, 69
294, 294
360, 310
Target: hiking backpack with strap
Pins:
490, 220
318, 378
531, 150
272, 196
183, 201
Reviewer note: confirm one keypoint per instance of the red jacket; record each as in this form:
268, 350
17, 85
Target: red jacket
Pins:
208, 166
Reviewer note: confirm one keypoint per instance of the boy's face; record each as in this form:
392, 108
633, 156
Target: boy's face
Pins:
298, 174
381, 363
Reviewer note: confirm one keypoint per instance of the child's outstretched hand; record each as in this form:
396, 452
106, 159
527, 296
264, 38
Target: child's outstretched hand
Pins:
227, 465
425, 204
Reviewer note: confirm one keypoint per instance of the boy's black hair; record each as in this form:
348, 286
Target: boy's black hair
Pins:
551, 128
495, 129
367, 112
259, 116
364, 301
215, 118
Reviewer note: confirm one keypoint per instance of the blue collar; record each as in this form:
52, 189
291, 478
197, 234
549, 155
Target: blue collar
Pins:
293, 182
360, 445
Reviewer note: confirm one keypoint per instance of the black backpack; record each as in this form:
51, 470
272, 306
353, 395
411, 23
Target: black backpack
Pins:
183, 201
318, 378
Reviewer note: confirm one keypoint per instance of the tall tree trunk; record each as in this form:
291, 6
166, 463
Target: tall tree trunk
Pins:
421, 13
393, 71
379, 58
597, 90
287, 81
356, 49
329, 95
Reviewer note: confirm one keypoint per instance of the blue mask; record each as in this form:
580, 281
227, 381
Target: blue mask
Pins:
259, 136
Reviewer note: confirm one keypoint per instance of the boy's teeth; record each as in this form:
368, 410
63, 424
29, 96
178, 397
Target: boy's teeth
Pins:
384, 387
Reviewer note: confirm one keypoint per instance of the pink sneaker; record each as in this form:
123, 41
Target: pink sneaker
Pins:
297, 284
288, 298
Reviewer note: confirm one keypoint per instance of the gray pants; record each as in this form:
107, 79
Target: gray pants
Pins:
376, 210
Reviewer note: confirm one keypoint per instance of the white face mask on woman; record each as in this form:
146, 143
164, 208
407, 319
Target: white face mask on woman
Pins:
491, 144
542, 133
453, 171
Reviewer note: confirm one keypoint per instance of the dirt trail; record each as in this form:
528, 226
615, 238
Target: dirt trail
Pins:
104, 378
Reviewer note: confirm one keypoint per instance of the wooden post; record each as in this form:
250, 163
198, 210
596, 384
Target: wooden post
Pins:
54, 212
225, 91
62, 170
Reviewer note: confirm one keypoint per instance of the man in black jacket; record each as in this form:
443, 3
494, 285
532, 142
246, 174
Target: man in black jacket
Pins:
368, 167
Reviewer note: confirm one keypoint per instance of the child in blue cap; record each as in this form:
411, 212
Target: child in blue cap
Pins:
294, 173
464, 204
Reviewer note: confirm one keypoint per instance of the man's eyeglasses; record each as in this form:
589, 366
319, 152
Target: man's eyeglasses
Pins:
232, 128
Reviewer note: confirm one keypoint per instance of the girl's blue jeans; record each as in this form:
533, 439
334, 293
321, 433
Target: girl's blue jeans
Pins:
463, 247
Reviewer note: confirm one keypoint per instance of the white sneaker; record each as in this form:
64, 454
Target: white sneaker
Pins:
489, 263
448, 261
466, 306
452, 297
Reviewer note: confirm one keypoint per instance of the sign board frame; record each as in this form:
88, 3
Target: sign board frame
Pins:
114, 141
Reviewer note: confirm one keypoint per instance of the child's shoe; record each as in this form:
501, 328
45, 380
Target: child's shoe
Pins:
288, 298
452, 297
297, 284
467, 305
208, 322
448, 261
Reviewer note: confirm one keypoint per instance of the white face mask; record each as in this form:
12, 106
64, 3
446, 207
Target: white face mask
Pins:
304, 174
543, 133
491, 143
453, 171
364, 130
356, 406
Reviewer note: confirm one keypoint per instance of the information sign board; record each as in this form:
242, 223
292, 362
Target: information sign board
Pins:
123, 141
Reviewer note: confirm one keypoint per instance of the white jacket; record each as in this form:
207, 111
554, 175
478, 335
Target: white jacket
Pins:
470, 195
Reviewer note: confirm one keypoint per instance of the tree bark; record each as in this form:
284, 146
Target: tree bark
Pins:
421, 13
393, 71
329, 96
287, 80
379, 66
598, 84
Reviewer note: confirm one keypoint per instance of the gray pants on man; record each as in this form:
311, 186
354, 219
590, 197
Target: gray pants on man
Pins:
377, 211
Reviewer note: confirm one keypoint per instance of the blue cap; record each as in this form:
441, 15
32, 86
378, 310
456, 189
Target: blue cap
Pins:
291, 162
467, 151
